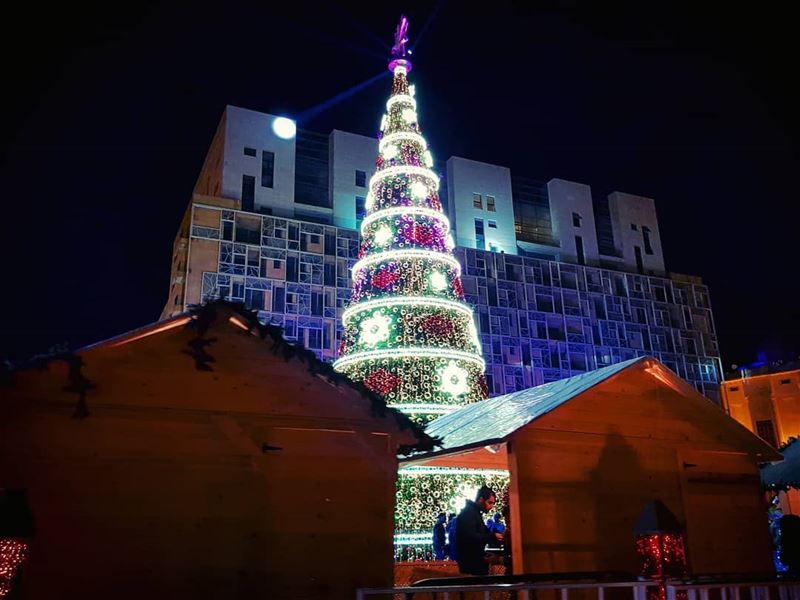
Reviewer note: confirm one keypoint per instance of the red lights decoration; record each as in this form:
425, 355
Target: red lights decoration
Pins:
458, 288
660, 545
662, 554
439, 326
382, 381
12, 554
384, 279
484, 389
422, 235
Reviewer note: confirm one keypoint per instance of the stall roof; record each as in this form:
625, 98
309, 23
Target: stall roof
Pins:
785, 474
492, 420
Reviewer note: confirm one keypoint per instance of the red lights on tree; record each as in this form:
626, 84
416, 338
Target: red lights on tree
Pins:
382, 381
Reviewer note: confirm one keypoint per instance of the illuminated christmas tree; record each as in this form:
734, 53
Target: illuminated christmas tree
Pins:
408, 334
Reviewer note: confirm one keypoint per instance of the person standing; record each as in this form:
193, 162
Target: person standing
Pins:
451, 536
497, 525
439, 537
472, 534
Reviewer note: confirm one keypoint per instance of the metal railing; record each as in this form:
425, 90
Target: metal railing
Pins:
733, 590
638, 589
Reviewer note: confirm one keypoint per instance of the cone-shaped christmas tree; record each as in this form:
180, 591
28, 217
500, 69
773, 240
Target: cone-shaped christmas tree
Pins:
408, 334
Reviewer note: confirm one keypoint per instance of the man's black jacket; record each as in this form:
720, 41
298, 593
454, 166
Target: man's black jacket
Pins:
471, 539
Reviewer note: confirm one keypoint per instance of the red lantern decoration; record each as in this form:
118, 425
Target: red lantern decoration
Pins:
16, 526
12, 554
661, 547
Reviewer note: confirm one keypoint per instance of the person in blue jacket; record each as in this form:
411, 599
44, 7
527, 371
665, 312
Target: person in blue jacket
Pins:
451, 536
439, 537
495, 524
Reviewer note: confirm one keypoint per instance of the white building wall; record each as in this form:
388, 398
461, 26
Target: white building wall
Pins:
467, 177
628, 211
566, 198
349, 152
248, 128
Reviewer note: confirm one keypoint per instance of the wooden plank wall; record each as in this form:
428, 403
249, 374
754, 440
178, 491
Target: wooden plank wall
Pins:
585, 471
165, 489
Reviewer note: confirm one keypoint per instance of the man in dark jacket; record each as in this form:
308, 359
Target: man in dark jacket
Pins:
472, 535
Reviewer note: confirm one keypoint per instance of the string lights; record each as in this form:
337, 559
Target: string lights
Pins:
408, 333
424, 492
12, 554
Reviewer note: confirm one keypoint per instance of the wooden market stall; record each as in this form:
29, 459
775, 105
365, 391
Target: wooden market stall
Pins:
588, 453
202, 456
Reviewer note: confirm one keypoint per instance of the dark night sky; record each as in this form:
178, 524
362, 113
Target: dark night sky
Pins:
109, 112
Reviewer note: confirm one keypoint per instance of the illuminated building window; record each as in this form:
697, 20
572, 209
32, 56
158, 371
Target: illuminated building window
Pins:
254, 299
248, 229
639, 263
480, 239
278, 300
490, 203
579, 250
477, 202
648, 248
361, 209
267, 168
766, 431
248, 193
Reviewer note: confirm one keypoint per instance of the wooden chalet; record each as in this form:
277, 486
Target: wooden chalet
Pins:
588, 453
200, 457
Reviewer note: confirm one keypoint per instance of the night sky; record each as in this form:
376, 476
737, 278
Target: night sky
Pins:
109, 112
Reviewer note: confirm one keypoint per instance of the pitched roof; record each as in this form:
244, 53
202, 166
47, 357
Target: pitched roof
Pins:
785, 474
200, 318
490, 421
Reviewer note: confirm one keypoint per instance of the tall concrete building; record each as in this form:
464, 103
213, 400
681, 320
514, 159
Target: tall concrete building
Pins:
561, 281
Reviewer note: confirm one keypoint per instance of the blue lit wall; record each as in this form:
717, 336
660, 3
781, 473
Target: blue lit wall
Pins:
539, 320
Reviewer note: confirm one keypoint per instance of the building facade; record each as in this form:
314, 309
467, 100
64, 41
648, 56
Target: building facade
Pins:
562, 282
766, 401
